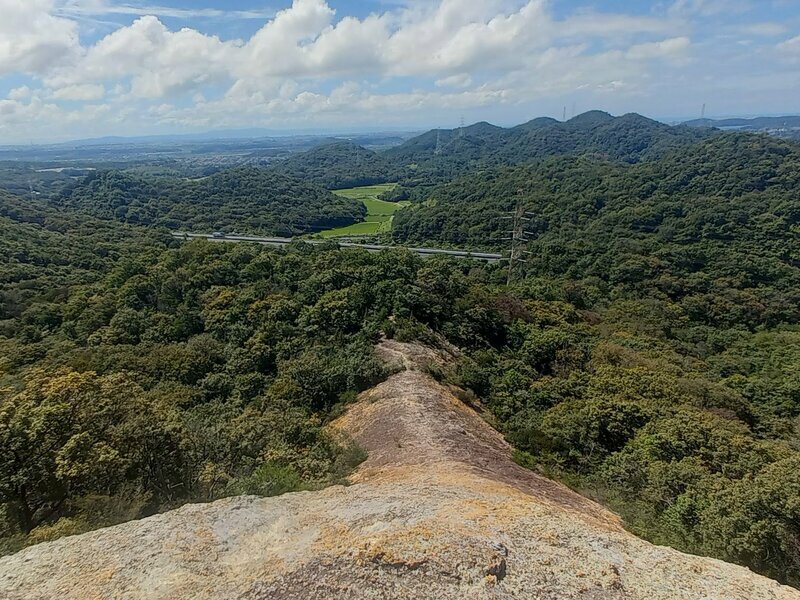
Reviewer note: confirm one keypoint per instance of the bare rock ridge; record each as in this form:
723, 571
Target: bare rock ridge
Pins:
438, 511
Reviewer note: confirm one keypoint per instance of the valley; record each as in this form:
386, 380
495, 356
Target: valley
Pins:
399, 300
183, 345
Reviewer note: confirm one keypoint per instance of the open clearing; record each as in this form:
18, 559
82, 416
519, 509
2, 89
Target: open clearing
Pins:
379, 212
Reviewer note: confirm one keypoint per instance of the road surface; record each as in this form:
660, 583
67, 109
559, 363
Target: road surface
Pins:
278, 241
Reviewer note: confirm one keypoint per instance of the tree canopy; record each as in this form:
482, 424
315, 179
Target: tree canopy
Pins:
339, 165
647, 353
252, 200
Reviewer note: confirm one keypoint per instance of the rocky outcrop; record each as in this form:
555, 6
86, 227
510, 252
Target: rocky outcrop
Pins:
439, 510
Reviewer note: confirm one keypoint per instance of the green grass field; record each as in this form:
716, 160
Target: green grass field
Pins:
379, 213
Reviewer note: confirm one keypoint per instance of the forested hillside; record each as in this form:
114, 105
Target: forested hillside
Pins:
339, 165
207, 370
44, 252
442, 155
658, 366
134, 378
646, 352
243, 200
462, 145
714, 228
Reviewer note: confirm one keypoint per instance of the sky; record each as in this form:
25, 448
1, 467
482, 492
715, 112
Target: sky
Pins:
87, 68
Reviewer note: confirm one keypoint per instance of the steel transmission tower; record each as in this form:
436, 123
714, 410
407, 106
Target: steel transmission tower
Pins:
520, 236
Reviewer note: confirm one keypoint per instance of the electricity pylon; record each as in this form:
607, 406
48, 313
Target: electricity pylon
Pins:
520, 236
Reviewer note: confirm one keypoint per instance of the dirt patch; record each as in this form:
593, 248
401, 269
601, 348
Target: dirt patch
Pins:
411, 419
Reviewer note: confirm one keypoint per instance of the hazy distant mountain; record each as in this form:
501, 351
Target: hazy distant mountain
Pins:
208, 136
758, 123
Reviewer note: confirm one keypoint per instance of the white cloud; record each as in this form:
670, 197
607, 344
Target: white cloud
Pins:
85, 91
671, 48
85, 8
462, 80
303, 42
711, 8
158, 61
20, 93
32, 40
307, 64
766, 29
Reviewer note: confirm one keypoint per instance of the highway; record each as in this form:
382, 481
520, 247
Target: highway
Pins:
278, 241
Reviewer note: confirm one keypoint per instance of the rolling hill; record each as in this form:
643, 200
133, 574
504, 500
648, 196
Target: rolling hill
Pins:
442, 155
246, 199
725, 207
339, 165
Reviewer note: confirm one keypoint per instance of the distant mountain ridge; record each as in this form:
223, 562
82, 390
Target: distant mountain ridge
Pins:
790, 121
442, 155
593, 131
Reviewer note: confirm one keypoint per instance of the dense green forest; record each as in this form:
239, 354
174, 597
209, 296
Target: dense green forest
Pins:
440, 156
647, 353
46, 251
655, 360
714, 227
252, 200
135, 377
339, 165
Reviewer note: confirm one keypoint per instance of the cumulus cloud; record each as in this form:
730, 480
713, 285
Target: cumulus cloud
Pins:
20, 93
32, 39
155, 59
448, 42
309, 64
304, 42
85, 91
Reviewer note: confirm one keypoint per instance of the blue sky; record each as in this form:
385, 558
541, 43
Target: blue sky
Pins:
81, 68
